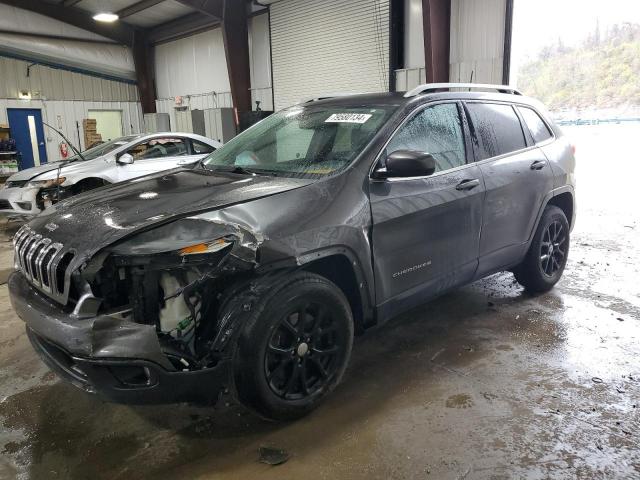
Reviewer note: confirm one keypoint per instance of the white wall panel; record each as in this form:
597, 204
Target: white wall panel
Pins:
56, 84
192, 65
260, 57
195, 68
413, 34
67, 113
477, 40
328, 46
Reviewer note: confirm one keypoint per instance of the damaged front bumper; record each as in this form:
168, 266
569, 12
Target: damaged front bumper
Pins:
19, 202
116, 358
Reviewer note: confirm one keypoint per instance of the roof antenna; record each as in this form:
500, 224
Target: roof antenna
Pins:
471, 79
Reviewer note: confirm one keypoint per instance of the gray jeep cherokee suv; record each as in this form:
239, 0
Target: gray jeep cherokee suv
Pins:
253, 269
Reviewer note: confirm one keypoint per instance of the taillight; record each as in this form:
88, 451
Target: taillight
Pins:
573, 149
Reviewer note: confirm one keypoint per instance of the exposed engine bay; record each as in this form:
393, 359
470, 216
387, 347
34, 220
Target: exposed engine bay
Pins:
180, 293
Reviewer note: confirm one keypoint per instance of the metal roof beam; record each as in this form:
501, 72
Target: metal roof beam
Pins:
181, 27
213, 8
137, 8
118, 31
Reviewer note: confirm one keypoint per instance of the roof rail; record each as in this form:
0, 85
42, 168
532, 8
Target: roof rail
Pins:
432, 87
326, 96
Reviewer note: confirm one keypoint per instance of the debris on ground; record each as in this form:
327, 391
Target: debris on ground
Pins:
272, 456
596, 380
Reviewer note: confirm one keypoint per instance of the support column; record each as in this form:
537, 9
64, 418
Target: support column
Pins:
235, 34
436, 22
396, 41
508, 33
143, 61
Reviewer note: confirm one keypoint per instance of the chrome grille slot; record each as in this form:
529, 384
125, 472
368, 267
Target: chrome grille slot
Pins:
61, 272
24, 257
36, 262
33, 256
45, 264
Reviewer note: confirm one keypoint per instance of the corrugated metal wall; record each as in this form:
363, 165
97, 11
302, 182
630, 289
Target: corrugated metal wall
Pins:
64, 98
56, 84
327, 47
477, 40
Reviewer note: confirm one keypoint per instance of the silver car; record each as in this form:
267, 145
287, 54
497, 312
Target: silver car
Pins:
30, 191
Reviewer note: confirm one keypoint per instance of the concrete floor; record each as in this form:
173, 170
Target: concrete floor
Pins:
485, 382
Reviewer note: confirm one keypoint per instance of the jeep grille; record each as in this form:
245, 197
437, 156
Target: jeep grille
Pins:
45, 264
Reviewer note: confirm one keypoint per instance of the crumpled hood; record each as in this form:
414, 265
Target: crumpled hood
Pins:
90, 222
68, 168
29, 173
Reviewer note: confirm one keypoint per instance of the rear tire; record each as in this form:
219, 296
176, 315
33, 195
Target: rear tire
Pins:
293, 348
547, 256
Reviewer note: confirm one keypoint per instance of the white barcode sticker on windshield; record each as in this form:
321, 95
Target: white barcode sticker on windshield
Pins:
348, 118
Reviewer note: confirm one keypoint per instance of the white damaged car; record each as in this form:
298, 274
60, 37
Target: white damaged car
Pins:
30, 191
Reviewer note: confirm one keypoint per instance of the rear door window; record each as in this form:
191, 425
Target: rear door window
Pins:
199, 147
539, 130
497, 128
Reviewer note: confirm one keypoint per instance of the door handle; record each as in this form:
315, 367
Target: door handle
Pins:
538, 165
468, 184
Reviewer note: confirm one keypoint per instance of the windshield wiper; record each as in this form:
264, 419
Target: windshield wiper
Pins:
240, 169
234, 169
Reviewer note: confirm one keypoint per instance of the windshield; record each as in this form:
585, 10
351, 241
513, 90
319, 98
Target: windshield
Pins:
104, 148
302, 141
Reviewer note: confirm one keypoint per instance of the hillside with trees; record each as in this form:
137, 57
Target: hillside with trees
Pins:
603, 72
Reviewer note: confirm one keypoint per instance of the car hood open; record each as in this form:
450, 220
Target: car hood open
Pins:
92, 221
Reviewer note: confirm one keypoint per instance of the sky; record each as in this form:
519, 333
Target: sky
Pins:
537, 23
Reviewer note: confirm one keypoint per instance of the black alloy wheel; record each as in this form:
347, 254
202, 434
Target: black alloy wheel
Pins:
294, 346
553, 248
547, 255
303, 352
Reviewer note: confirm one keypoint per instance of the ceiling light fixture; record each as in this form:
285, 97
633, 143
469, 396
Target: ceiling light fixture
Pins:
105, 17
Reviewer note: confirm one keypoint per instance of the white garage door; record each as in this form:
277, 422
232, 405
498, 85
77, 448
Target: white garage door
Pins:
328, 46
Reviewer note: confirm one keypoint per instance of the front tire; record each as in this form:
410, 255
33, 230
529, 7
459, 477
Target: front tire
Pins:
294, 347
547, 256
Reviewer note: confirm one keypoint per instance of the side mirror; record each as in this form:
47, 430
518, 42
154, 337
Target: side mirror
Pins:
408, 163
125, 159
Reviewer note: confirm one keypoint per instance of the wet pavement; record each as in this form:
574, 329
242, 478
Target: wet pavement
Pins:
485, 382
